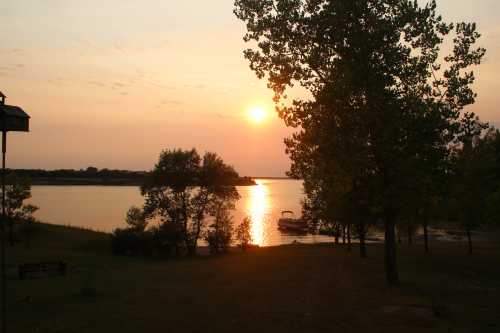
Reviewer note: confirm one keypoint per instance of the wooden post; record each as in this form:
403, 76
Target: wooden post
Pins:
3, 235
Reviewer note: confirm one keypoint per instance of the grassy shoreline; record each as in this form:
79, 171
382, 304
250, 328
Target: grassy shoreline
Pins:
293, 288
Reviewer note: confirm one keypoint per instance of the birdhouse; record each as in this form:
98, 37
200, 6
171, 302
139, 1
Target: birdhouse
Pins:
12, 118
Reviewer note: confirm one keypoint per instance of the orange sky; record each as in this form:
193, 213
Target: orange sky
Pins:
112, 83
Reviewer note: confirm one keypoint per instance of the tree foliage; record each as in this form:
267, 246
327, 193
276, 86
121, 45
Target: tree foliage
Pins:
219, 235
474, 175
244, 234
17, 191
182, 192
383, 103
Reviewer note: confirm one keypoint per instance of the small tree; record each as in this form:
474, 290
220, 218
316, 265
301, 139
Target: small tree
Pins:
220, 233
472, 169
134, 239
136, 220
28, 224
244, 234
17, 191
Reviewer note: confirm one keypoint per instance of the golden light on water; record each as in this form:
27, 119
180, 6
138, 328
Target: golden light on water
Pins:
258, 207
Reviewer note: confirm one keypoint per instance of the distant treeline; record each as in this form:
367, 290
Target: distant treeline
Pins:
94, 176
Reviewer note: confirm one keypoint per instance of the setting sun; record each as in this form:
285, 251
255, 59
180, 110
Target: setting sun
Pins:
257, 115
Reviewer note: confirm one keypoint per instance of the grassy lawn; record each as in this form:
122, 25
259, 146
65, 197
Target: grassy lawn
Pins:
320, 288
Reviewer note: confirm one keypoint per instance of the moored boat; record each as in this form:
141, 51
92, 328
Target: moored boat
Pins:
288, 222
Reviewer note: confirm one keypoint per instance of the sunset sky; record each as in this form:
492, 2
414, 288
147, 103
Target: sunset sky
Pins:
112, 83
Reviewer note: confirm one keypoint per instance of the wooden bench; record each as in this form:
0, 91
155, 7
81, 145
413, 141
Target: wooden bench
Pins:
41, 270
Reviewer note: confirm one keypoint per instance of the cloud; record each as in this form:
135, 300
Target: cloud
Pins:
59, 81
117, 85
97, 83
11, 68
171, 101
166, 102
195, 86
11, 50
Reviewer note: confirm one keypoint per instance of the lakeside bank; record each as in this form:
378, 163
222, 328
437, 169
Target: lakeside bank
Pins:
293, 288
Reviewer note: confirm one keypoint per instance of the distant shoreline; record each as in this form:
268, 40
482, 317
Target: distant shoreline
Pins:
94, 177
61, 181
277, 178
109, 182
106, 177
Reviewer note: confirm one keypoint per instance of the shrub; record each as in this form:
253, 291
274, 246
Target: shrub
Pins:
243, 233
220, 233
218, 240
130, 242
136, 219
168, 239
28, 228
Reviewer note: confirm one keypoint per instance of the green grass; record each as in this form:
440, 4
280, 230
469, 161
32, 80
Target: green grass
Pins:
318, 288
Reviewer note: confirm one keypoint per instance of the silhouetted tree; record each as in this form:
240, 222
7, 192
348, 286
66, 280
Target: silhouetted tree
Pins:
493, 200
220, 233
134, 239
92, 170
136, 219
379, 100
244, 234
17, 191
471, 185
182, 188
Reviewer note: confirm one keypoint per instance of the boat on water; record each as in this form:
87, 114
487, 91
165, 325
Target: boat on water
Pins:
289, 223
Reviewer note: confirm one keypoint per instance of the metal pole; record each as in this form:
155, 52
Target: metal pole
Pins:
4, 277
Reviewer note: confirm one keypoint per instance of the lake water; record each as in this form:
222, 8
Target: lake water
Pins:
103, 208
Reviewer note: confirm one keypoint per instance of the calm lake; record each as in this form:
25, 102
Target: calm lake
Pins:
103, 208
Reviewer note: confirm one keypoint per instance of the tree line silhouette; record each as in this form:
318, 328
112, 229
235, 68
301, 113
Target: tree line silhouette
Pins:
95, 176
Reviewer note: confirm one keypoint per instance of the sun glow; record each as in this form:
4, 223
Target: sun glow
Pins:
257, 115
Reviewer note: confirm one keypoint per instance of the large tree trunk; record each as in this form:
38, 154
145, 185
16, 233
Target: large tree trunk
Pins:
362, 240
362, 245
343, 234
426, 237
391, 269
469, 238
349, 237
11, 233
191, 248
337, 232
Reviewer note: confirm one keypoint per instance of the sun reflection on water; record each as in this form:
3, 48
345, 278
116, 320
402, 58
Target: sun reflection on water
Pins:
258, 207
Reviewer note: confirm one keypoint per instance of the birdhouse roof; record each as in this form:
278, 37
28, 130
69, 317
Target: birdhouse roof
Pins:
2, 95
14, 111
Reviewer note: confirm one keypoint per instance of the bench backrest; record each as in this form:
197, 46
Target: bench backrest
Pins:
43, 269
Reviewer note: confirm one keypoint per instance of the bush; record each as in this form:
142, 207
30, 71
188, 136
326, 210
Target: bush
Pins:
219, 236
243, 233
28, 228
168, 239
130, 242
164, 241
136, 219
218, 240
